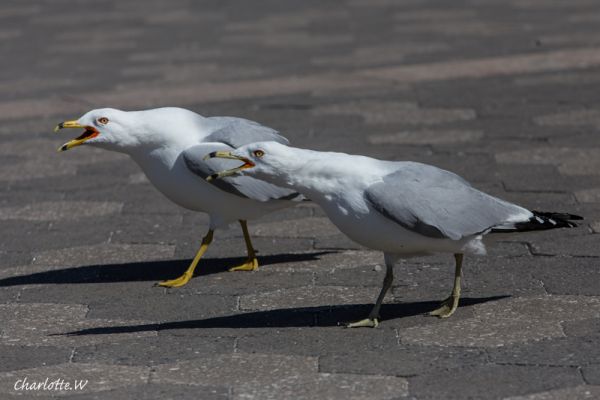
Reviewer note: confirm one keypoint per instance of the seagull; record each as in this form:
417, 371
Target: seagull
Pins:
169, 145
404, 208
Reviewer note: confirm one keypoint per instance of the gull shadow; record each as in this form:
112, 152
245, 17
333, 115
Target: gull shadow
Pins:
147, 271
287, 317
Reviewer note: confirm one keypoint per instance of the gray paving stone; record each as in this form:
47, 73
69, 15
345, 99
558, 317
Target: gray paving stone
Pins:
577, 392
358, 277
103, 254
582, 273
24, 357
307, 227
319, 342
505, 321
347, 386
302, 297
173, 306
60, 210
591, 374
153, 391
486, 382
154, 350
339, 241
405, 113
585, 327
264, 246
241, 283
42, 324
573, 351
402, 360
582, 245
234, 369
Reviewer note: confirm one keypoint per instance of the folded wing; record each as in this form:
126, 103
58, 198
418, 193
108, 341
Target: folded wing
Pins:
439, 204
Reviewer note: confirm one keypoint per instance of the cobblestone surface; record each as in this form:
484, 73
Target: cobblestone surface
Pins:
504, 93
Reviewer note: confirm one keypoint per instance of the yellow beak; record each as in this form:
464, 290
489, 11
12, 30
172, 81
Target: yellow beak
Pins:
228, 172
89, 133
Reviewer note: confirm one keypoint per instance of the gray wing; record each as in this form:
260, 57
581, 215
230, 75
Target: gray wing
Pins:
240, 185
237, 132
438, 204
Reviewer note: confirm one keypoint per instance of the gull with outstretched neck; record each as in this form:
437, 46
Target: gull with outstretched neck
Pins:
401, 208
169, 144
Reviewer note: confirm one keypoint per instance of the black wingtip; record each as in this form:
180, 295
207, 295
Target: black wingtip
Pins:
550, 220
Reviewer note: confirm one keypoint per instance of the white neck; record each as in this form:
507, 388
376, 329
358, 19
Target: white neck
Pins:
318, 174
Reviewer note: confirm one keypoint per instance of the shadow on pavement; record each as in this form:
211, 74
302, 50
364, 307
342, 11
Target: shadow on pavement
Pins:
288, 318
147, 271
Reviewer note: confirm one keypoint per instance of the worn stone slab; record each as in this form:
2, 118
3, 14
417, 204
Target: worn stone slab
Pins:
591, 374
232, 283
573, 243
234, 369
405, 113
319, 296
306, 227
569, 275
14, 358
570, 161
163, 349
426, 137
584, 327
153, 391
53, 211
588, 195
571, 118
104, 254
173, 306
319, 342
403, 360
577, 392
488, 67
325, 386
573, 351
41, 324
507, 321
492, 381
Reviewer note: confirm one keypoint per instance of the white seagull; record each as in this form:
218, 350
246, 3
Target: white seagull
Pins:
401, 208
169, 145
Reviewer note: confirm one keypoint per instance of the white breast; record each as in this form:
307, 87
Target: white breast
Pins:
167, 171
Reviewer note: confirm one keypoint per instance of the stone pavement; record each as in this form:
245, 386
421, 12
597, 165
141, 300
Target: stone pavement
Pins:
503, 92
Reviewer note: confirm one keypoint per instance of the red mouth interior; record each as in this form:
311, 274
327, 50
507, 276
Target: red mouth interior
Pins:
247, 164
88, 134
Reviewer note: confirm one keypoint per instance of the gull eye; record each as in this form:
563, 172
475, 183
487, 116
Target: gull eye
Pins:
258, 153
103, 120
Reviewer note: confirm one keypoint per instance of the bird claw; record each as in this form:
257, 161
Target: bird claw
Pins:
177, 282
448, 307
364, 323
249, 265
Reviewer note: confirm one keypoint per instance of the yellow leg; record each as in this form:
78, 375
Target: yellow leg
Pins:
187, 275
251, 263
450, 305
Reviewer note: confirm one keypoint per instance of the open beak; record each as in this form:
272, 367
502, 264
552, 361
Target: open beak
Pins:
228, 172
90, 132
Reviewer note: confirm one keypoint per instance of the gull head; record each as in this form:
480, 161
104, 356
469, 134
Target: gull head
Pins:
107, 127
261, 159
128, 131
